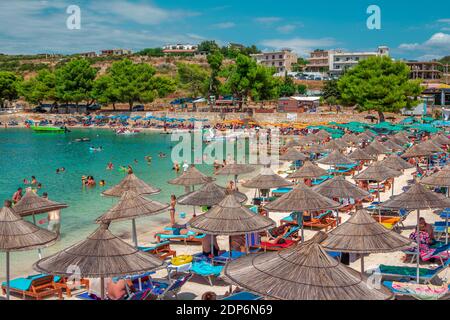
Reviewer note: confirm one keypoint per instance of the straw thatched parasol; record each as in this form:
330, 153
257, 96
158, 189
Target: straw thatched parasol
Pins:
308, 171
362, 234
391, 145
19, 235
378, 147
417, 150
300, 199
441, 139
230, 217
431, 146
130, 207
32, 204
235, 169
336, 158
333, 145
417, 197
399, 139
360, 155
191, 177
364, 137
322, 134
293, 155
315, 148
377, 172
208, 195
133, 183
339, 187
350, 138
369, 133
303, 272
101, 255
266, 179
396, 163
439, 179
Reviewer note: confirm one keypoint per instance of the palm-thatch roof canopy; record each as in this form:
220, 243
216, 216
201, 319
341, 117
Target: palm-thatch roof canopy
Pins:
396, 163
322, 134
302, 198
293, 155
308, 171
336, 158
230, 217
439, 179
364, 137
132, 206
350, 138
441, 139
377, 172
391, 145
369, 133
339, 187
417, 197
133, 183
266, 179
235, 169
315, 148
101, 255
17, 234
303, 272
431, 146
333, 145
208, 195
363, 234
360, 155
380, 148
417, 150
400, 138
191, 177
292, 143
31, 204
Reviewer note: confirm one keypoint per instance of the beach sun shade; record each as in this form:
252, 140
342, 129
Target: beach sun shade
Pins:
308, 171
339, 187
360, 155
336, 158
391, 145
438, 179
396, 163
377, 172
235, 169
266, 179
31, 204
349, 138
293, 155
133, 183
191, 177
417, 150
431, 146
322, 134
378, 147
315, 148
230, 217
130, 207
333, 145
303, 272
101, 255
208, 195
417, 197
364, 137
441, 139
19, 235
363, 234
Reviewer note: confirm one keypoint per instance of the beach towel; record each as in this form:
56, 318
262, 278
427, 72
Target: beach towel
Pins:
285, 244
206, 269
420, 291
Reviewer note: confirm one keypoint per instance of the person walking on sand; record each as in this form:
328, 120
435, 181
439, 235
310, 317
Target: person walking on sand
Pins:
173, 202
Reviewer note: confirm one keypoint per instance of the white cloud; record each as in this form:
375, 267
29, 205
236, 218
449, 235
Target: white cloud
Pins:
225, 25
267, 20
300, 45
40, 26
437, 46
286, 28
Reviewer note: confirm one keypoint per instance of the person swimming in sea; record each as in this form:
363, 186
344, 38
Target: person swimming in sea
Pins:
162, 155
109, 166
102, 183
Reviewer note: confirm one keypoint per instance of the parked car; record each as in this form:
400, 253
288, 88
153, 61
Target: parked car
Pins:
94, 107
138, 107
39, 109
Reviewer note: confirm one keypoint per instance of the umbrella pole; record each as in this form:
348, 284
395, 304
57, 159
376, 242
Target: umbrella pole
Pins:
39, 250
303, 229
134, 233
446, 222
102, 288
193, 189
362, 263
379, 202
235, 181
7, 275
393, 180
418, 245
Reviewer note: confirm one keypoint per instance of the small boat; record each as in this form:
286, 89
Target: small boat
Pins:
95, 149
124, 131
42, 129
82, 140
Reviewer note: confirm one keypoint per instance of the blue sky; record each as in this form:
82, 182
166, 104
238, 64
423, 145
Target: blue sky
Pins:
411, 30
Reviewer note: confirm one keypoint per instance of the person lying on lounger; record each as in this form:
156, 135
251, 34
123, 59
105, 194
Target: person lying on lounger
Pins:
278, 235
119, 290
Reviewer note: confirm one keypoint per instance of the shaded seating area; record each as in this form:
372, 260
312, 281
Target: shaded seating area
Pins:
162, 250
35, 287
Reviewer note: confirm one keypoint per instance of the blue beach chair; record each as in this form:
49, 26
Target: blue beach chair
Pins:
243, 296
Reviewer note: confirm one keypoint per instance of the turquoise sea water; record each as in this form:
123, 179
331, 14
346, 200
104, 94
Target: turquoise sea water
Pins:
24, 153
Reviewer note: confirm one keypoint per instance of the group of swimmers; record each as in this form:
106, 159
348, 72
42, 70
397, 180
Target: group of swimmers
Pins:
89, 181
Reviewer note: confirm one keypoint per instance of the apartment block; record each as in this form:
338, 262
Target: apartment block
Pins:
281, 60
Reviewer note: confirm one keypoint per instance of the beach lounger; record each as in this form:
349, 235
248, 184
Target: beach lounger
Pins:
206, 270
190, 236
243, 296
440, 252
266, 246
323, 221
418, 291
281, 191
409, 273
36, 287
162, 250
226, 256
